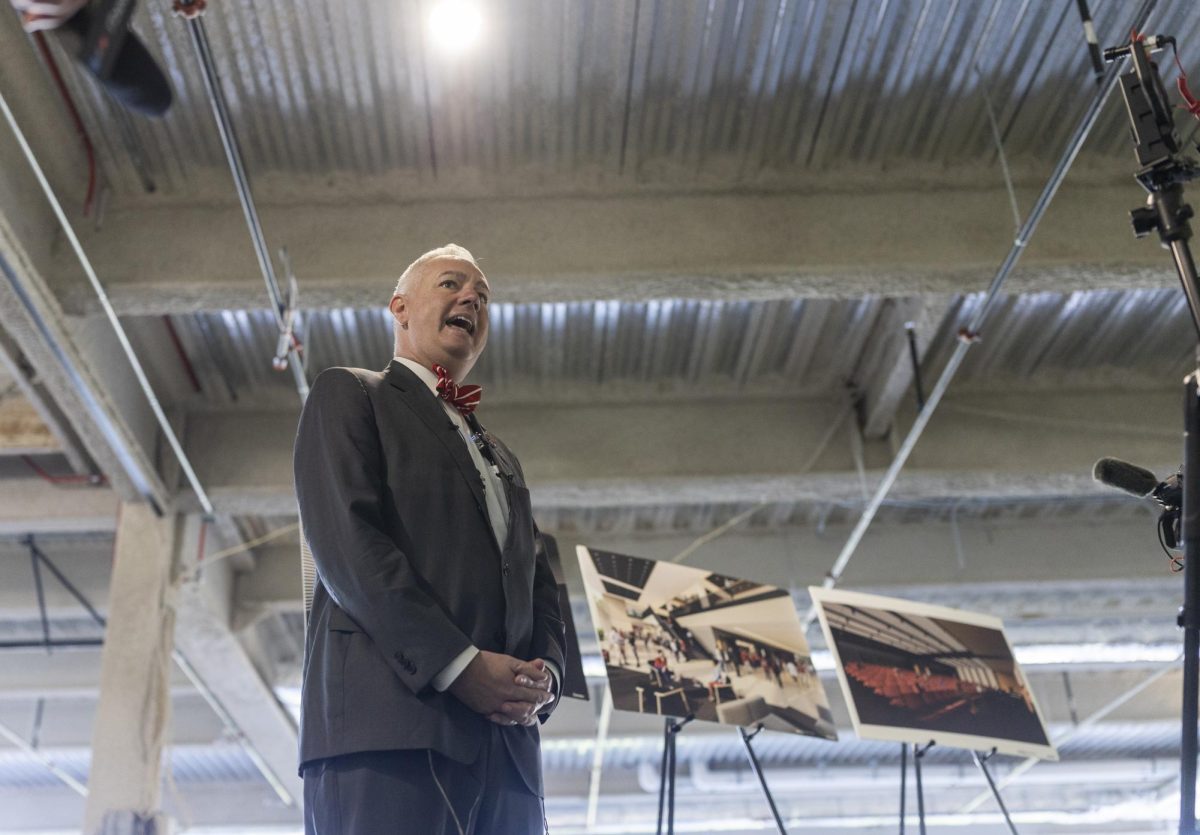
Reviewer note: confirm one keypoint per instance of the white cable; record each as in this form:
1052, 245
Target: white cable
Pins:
12, 736
729, 525
122, 337
1064, 423
445, 797
1008, 182
593, 804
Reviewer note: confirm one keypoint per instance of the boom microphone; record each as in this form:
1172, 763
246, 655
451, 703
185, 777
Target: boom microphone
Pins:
1135, 480
118, 59
97, 33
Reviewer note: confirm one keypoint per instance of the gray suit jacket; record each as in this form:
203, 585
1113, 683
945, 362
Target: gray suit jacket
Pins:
409, 572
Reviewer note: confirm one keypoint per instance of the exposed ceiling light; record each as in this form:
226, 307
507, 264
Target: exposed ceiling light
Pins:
455, 25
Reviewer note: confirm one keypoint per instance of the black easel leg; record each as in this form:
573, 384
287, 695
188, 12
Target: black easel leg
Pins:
981, 762
1189, 618
671, 733
41, 600
903, 783
761, 777
662, 772
918, 753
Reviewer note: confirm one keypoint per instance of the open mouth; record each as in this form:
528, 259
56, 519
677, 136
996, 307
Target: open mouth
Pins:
461, 322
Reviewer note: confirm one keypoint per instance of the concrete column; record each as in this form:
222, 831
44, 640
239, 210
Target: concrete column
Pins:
133, 712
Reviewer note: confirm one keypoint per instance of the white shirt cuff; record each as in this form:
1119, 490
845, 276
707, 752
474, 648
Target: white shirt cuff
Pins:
557, 676
454, 669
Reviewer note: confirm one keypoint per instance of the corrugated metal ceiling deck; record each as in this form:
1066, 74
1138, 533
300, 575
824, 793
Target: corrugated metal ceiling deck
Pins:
689, 348
611, 349
562, 96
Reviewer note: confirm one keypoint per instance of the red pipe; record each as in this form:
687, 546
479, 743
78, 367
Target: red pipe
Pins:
203, 536
183, 357
52, 65
83, 478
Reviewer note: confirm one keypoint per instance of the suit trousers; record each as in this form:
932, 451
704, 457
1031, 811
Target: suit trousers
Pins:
420, 792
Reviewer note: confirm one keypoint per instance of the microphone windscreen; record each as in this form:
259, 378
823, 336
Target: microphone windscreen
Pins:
134, 79
1135, 480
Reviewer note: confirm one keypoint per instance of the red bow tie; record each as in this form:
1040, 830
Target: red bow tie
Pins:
463, 398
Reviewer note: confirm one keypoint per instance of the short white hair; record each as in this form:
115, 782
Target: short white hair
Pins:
458, 253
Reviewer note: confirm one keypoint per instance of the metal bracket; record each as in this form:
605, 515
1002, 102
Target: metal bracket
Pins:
189, 9
287, 325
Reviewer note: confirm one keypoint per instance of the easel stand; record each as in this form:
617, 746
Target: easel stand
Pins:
666, 773
981, 763
1162, 174
746, 738
919, 752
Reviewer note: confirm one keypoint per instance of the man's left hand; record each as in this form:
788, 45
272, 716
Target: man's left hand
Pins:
525, 713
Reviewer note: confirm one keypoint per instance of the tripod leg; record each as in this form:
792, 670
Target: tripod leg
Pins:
981, 763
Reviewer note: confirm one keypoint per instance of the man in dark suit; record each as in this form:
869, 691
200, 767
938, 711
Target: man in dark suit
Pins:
434, 642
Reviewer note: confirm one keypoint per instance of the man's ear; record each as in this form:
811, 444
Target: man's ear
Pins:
399, 308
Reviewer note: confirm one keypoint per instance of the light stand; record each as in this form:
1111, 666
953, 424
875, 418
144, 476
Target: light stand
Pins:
1189, 617
1163, 172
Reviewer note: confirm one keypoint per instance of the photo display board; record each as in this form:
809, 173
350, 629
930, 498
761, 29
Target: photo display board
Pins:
916, 673
679, 641
574, 684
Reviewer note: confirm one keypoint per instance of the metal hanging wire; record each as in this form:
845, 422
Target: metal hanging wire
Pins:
969, 334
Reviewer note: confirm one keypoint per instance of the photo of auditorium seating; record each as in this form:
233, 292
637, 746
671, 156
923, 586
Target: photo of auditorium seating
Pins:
918, 673
680, 641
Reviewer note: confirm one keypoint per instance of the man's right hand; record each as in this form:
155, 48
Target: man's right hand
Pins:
489, 683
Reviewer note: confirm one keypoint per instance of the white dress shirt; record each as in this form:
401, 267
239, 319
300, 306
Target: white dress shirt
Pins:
497, 510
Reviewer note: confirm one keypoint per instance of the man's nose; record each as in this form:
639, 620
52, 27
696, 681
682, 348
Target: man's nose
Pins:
470, 298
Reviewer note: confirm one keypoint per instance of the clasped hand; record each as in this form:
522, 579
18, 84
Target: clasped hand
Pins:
505, 689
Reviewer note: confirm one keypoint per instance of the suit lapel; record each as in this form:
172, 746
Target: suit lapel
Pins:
428, 408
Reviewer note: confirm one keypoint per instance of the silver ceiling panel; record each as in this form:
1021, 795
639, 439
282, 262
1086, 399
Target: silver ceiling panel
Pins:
357, 98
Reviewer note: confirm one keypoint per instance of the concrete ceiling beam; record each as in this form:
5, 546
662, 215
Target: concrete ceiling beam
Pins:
30, 505
39, 399
629, 248
979, 445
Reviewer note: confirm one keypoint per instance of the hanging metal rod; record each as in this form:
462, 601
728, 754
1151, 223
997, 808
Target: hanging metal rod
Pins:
52, 643
122, 338
192, 11
231, 724
970, 333
15, 739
